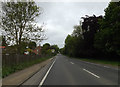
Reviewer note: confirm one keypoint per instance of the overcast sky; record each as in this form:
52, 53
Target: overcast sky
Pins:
60, 17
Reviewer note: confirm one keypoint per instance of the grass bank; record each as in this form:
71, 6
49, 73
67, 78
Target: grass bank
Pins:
7, 70
101, 61
113, 63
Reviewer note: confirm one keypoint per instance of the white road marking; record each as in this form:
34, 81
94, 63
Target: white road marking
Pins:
100, 65
91, 73
71, 62
46, 74
106, 66
50, 58
92, 63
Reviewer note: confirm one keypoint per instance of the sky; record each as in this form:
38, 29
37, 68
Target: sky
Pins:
60, 17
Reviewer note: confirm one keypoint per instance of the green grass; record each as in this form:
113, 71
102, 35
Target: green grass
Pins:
7, 70
108, 62
99, 61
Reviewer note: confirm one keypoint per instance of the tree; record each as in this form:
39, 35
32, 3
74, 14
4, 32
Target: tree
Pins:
23, 46
55, 47
108, 38
90, 26
77, 30
62, 50
18, 20
3, 39
69, 45
80, 42
32, 45
45, 48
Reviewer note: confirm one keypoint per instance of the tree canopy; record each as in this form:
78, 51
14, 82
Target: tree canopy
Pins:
80, 42
18, 20
108, 38
96, 36
47, 49
32, 45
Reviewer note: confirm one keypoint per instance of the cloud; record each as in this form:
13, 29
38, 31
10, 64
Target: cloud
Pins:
60, 17
75, 0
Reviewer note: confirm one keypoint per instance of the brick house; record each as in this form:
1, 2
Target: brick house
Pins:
2, 47
37, 50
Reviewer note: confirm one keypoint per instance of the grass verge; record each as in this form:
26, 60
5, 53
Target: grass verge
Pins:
7, 70
113, 63
107, 62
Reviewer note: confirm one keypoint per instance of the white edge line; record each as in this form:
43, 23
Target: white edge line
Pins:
91, 73
46, 74
71, 62
50, 58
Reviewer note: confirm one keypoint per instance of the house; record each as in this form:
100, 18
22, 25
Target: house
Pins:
2, 47
37, 50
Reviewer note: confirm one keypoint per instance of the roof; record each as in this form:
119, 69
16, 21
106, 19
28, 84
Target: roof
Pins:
2, 46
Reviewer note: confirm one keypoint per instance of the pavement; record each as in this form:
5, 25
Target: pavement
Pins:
66, 71
19, 77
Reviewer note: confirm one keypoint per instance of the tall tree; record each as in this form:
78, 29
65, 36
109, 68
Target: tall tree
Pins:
69, 45
108, 38
80, 42
18, 20
90, 26
46, 49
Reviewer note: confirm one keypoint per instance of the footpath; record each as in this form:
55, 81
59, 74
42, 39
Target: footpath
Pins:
19, 77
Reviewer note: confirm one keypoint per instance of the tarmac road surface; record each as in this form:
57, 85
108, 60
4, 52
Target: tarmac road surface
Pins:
66, 71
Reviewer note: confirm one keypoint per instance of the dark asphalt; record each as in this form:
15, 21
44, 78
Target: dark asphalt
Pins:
67, 71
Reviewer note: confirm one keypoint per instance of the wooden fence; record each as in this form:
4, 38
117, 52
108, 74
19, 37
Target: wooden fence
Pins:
17, 59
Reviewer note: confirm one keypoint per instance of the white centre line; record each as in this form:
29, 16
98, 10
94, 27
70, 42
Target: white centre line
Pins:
46, 74
71, 62
91, 73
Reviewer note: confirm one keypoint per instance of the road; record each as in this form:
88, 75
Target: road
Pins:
67, 71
